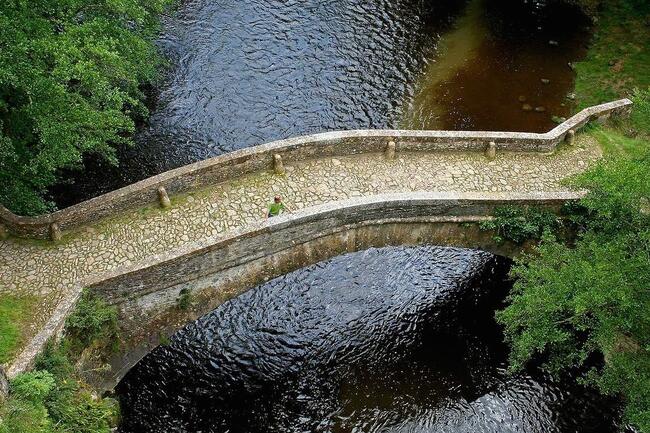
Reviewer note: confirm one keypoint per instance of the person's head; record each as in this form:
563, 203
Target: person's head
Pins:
277, 199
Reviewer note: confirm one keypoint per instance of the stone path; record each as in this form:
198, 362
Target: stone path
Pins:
49, 271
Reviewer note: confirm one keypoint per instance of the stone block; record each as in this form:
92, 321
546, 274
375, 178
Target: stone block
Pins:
390, 150
163, 198
4, 385
491, 151
55, 232
570, 137
278, 166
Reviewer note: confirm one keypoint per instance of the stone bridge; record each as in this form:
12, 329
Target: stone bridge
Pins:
201, 228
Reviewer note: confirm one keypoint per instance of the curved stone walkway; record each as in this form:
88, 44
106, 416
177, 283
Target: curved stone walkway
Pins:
49, 271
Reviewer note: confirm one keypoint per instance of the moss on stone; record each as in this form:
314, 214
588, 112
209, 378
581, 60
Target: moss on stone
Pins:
15, 316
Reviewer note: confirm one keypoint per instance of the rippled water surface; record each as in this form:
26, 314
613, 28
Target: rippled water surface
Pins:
248, 72
387, 340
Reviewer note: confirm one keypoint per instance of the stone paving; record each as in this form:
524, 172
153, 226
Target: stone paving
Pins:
49, 271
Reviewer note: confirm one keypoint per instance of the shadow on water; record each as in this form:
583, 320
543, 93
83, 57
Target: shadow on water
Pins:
394, 339
245, 73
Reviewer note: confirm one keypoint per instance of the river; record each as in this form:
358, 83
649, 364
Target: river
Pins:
247, 72
387, 340
397, 339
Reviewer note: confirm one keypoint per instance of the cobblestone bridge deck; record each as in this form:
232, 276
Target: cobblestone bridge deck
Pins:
50, 272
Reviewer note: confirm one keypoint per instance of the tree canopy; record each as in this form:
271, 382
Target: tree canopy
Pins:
71, 80
587, 306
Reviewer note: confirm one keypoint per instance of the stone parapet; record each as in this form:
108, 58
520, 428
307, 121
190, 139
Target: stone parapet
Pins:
277, 154
278, 245
263, 239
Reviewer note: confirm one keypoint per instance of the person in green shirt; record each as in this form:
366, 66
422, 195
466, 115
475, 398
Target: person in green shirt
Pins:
276, 208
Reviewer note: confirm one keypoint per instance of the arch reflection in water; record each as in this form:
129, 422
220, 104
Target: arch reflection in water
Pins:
394, 339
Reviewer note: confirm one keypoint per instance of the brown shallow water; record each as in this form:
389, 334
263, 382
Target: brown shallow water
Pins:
500, 57
245, 73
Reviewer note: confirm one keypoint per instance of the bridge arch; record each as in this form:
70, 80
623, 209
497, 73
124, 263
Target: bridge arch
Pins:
97, 242
216, 270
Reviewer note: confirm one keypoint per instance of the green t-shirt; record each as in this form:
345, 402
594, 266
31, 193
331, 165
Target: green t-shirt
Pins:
276, 209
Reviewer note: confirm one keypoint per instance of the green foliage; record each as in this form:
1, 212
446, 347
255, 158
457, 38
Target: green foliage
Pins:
184, 301
55, 358
572, 305
627, 133
13, 312
520, 223
618, 188
53, 398
75, 409
25, 411
41, 402
619, 57
71, 80
34, 386
92, 322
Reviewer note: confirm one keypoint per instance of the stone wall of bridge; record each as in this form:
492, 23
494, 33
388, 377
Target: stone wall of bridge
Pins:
264, 157
215, 270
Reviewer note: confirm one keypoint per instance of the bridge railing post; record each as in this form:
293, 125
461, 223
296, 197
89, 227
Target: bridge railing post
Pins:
55, 232
491, 150
570, 137
278, 166
163, 198
390, 150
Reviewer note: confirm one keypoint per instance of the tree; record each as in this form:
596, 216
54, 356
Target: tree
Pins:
588, 306
71, 79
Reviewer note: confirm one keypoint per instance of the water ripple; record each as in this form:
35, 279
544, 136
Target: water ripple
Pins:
386, 340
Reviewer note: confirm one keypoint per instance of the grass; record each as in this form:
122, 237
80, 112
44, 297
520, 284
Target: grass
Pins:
617, 65
54, 398
618, 60
14, 313
613, 141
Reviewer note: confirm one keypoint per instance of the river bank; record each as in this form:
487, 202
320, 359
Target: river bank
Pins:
597, 288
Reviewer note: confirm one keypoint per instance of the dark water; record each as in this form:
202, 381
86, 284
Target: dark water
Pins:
248, 72
386, 340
